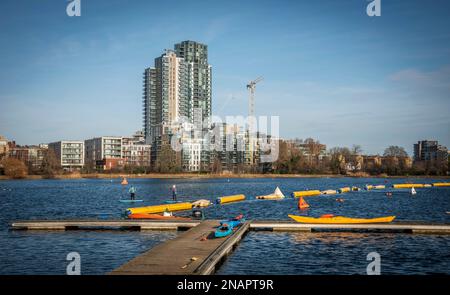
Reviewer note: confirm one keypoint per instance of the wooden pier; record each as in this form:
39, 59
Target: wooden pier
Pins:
402, 227
257, 225
193, 252
92, 224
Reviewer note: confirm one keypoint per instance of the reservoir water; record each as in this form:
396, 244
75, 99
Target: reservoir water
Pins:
36, 252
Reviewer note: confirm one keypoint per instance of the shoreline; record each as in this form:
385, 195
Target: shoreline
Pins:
210, 176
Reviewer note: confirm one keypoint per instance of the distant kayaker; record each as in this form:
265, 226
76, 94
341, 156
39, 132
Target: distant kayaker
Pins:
174, 193
132, 192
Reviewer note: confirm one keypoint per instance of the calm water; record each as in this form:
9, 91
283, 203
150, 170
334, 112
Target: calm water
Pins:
338, 253
45, 252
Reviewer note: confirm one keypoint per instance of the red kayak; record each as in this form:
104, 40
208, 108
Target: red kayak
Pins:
155, 216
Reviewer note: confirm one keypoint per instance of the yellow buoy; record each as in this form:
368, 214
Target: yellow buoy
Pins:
369, 187
408, 185
381, 186
344, 190
160, 208
306, 193
229, 199
441, 184
329, 192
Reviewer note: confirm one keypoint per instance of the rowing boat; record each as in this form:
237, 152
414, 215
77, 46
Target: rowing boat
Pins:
341, 219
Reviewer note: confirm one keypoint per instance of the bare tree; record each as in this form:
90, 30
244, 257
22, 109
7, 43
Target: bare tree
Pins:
50, 164
14, 168
395, 151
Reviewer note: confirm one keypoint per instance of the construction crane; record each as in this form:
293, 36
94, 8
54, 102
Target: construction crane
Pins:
251, 119
251, 101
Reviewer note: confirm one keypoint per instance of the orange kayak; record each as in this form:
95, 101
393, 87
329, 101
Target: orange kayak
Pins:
155, 216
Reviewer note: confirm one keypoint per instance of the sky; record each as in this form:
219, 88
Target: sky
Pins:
330, 71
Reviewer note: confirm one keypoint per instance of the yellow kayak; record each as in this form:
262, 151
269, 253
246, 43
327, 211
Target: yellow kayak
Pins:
341, 219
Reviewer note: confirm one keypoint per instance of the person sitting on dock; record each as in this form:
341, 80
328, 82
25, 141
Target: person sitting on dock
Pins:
174, 193
132, 192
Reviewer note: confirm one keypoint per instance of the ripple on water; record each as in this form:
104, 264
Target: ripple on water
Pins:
30, 253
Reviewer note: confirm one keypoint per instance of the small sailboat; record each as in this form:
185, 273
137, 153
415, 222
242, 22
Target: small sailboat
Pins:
413, 191
277, 194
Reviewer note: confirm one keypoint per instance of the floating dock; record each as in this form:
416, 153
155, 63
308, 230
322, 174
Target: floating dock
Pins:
92, 224
195, 252
272, 225
402, 227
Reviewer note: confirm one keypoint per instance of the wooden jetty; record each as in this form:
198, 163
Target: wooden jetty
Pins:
403, 227
193, 252
257, 225
92, 224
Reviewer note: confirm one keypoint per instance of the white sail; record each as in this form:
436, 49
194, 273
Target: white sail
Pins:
278, 192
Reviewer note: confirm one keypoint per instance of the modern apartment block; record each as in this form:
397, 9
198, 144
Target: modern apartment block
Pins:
70, 153
104, 152
191, 156
135, 151
199, 74
228, 144
429, 151
165, 95
178, 86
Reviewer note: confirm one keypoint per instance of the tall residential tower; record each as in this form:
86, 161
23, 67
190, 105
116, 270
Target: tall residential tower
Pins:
178, 86
199, 74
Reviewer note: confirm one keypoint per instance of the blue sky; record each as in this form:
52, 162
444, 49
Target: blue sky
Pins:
330, 71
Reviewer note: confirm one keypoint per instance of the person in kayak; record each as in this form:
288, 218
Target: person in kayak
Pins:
132, 192
174, 193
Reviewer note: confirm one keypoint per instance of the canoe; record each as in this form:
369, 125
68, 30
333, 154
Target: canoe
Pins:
226, 226
223, 231
234, 221
155, 216
341, 219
